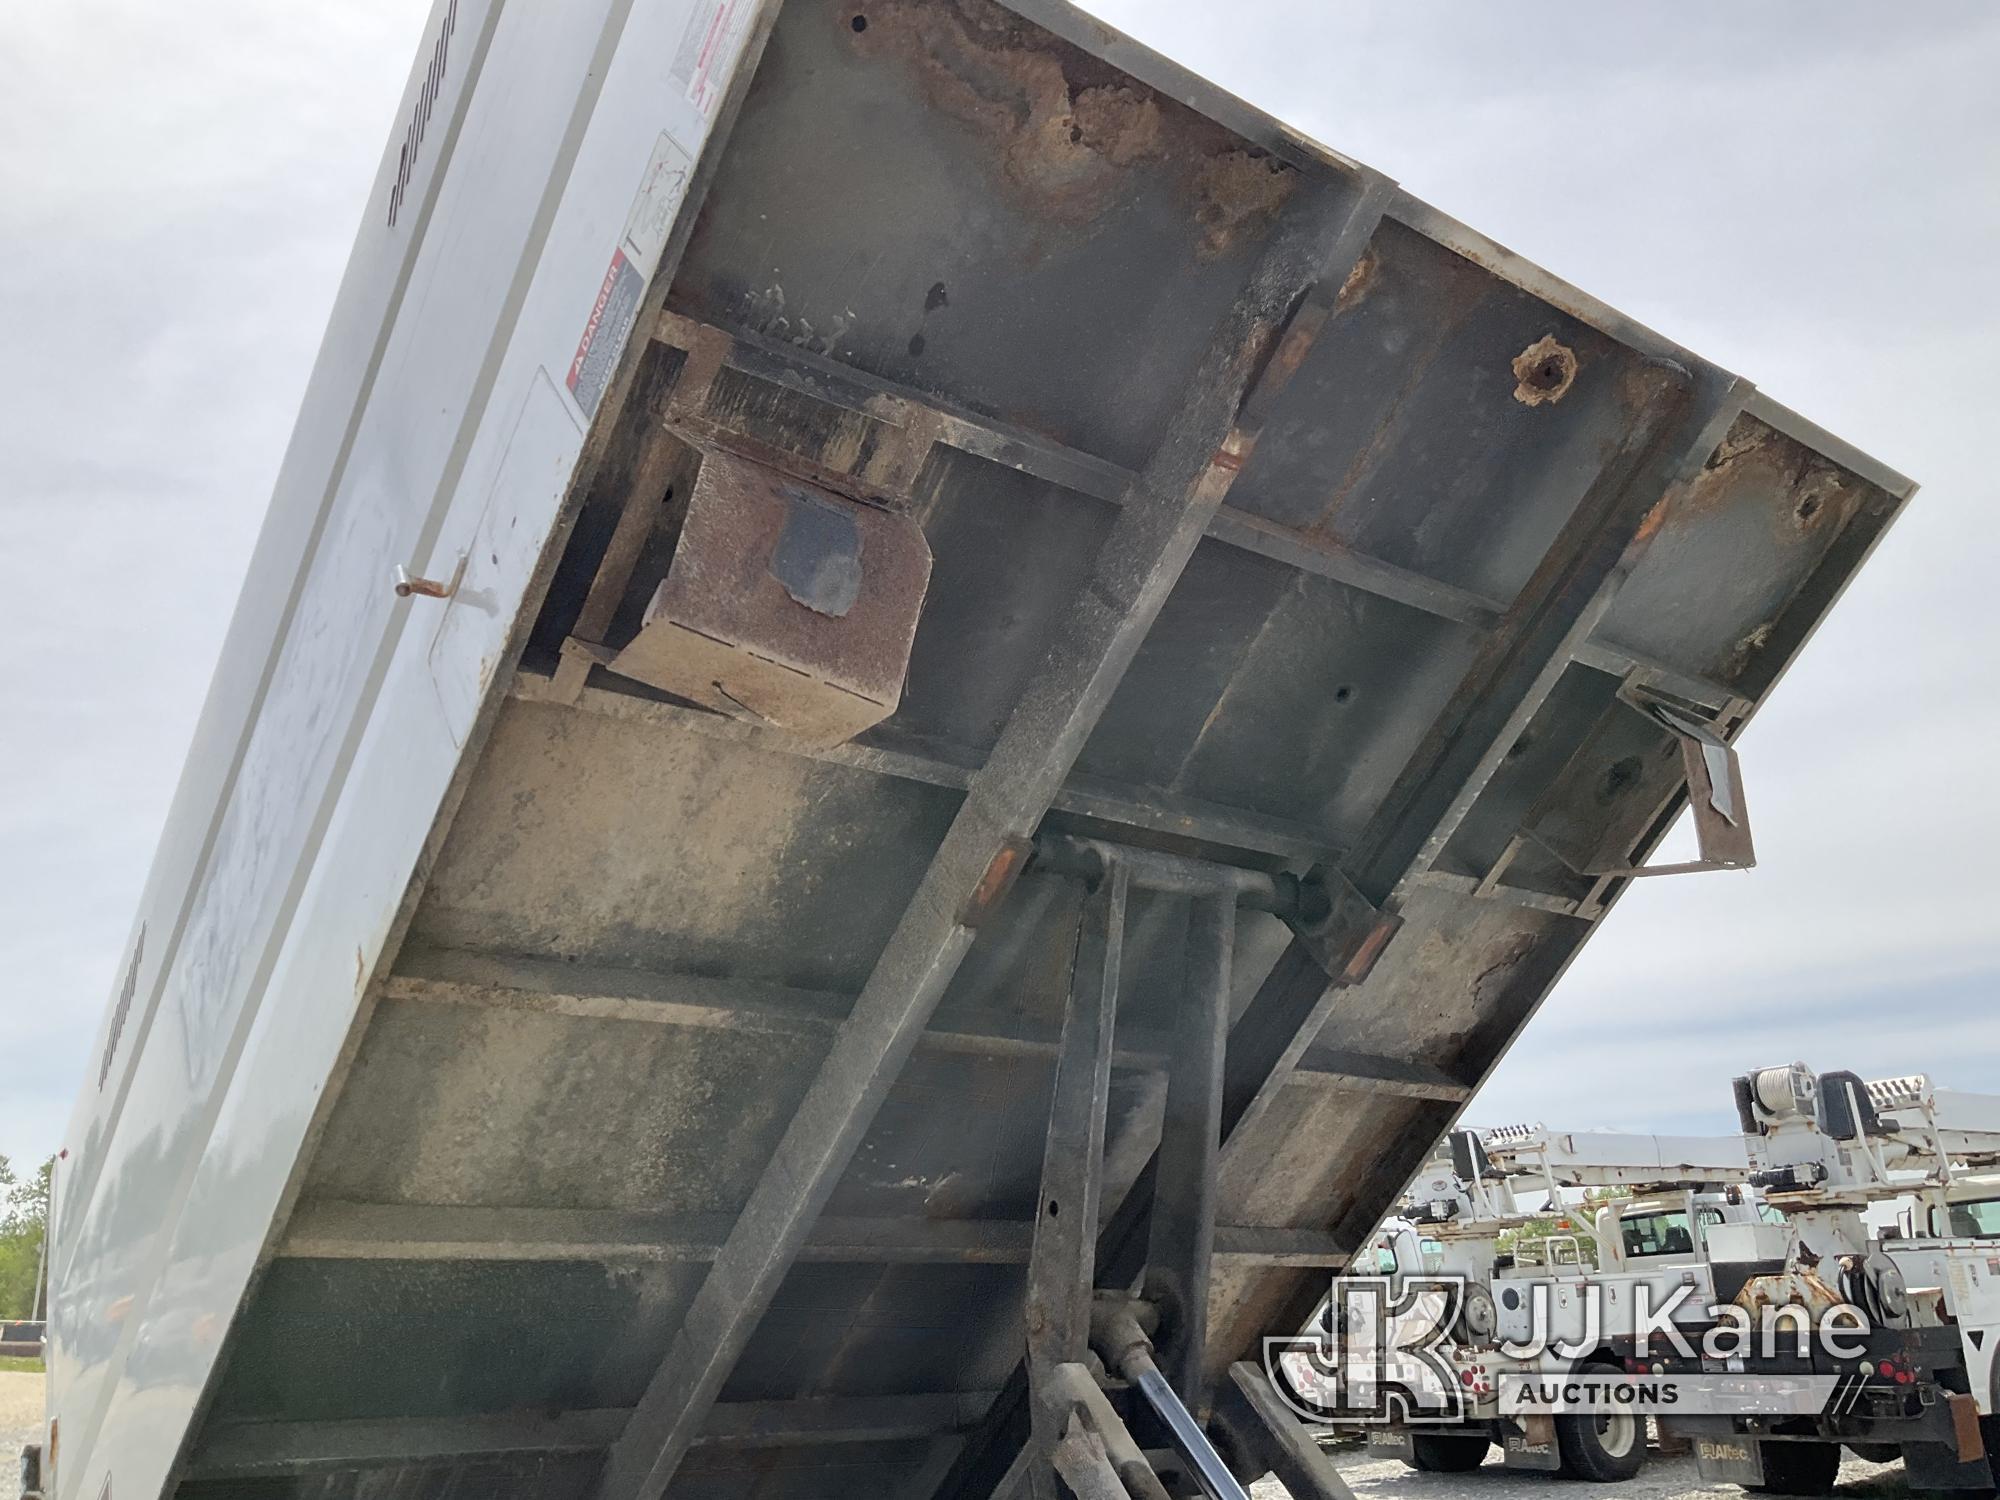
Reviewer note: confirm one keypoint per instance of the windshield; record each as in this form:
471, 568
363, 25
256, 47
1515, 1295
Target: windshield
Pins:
1979, 1221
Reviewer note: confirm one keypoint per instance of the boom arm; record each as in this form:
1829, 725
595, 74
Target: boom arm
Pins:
1534, 1154
1486, 1171
1833, 1137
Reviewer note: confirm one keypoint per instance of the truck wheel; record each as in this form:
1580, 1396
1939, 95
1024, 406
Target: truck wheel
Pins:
1436, 1454
1875, 1453
1601, 1448
1799, 1468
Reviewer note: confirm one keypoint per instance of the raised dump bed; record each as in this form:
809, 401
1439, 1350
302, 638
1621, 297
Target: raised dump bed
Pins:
824, 541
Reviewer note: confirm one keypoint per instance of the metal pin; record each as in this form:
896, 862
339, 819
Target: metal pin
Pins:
429, 588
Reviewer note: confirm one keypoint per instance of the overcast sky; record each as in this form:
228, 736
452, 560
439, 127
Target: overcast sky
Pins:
1806, 192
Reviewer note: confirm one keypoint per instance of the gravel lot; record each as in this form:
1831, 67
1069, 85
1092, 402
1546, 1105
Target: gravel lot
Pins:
1661, 1479
20, 1421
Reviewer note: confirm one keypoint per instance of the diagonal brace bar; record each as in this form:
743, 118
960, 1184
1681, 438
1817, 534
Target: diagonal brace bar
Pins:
1263, 1434
1181, 1243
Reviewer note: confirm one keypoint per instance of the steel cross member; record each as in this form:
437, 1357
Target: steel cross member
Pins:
1065, 1315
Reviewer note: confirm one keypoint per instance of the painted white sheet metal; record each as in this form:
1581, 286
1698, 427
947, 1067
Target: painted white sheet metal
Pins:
538, 163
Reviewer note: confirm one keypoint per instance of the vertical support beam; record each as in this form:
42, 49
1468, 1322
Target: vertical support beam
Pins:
1171, 502
1064, 1256
1272, 1032
1182, 1238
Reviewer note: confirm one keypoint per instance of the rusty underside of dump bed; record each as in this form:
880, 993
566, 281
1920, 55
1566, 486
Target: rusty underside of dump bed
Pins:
1324, 538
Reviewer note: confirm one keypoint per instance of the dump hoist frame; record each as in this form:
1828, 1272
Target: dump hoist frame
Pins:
1104, 1359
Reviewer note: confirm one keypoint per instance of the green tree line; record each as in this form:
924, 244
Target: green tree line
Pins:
1575, 1219
24, 1223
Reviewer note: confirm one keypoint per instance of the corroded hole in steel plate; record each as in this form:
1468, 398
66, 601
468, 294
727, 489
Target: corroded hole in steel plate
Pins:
1818, 496
1545, 371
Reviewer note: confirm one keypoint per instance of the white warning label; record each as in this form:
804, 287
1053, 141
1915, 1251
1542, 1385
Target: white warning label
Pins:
661, 193
708, 47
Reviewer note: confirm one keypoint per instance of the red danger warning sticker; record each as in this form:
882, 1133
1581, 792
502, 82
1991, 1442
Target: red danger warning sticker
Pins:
611, 320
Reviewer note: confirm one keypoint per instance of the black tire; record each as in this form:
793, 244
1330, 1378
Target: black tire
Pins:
1605, 1449
1437, 1454
1875, 1453
1799, 1468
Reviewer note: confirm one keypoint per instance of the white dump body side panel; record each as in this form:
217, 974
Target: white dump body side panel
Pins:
542, 153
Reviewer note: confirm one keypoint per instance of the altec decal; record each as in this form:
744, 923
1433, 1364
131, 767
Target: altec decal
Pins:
420, 115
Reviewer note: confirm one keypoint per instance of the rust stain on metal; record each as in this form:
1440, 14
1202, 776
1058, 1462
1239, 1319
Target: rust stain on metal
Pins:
1655, 519
1797, 1287
1238, 191
1119, 122
1546, 370
1821, 496
1360, 281
997, 881
1233, 453
1745, 651
1292, 350
1370, 951
1966, 1434
1747, 435
1066, 127
1801, 493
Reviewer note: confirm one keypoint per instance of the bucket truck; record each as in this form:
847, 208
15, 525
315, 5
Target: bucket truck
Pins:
1920, 1380
1556, 1302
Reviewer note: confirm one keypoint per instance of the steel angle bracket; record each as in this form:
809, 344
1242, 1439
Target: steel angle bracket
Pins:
1343, 930
1714, 779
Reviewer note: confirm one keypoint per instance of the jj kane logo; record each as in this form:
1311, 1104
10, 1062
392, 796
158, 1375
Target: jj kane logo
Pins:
1419, 1350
